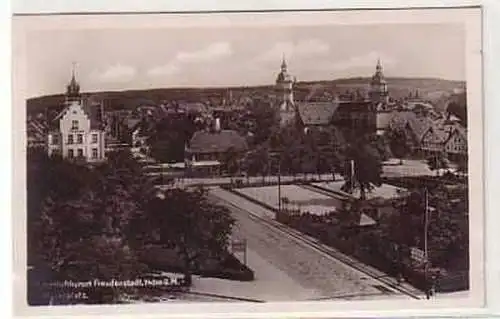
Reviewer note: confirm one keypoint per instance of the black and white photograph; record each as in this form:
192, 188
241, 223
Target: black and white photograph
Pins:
250, 158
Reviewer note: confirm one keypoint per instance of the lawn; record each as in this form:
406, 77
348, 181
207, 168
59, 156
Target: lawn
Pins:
299, 198
409, 168
385, 191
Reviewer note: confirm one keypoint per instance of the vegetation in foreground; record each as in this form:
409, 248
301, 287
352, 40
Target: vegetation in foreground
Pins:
90, 223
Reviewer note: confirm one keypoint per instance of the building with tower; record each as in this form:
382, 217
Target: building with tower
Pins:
378, 86
78, 131
284, 88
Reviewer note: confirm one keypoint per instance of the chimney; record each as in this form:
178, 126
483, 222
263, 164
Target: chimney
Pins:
217, 125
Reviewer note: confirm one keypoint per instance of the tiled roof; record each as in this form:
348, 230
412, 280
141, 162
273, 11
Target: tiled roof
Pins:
317, 113
418, 125
438, 136
216, 142
195, 107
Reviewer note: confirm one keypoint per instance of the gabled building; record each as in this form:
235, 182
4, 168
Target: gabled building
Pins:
434, 140
456, 144
316, 114
78, 130
413, 126
213, 144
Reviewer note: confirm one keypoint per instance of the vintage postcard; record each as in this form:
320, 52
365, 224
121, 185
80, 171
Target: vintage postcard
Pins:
300, 162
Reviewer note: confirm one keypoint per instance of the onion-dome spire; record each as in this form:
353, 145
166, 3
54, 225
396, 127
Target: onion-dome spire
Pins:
73, 88
283, 64
379, 66
378, 77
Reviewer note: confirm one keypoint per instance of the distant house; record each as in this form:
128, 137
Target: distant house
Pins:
36, 133
194, 107
78, 130
434, 140
211, 147
415, 127
316, 113
456, 144
358, 117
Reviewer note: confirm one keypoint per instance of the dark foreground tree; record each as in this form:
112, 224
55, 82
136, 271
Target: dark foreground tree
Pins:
398, 144
363, 167
197, 229
85, 234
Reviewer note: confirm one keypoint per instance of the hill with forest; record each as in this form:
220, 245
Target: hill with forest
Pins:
428, 88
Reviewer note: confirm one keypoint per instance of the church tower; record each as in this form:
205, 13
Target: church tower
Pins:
284, 88
73, 88
378, 86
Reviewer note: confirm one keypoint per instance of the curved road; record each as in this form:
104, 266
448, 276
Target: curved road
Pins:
308, 267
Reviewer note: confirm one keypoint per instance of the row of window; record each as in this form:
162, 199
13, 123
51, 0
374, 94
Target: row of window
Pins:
71, 139
79, 153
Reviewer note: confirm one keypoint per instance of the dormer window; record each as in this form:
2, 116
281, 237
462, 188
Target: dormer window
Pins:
74, 125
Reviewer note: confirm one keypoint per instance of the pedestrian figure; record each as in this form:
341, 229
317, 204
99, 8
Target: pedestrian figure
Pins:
399, 278
433, 286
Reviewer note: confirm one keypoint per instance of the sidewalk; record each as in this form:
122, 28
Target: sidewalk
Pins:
270, 284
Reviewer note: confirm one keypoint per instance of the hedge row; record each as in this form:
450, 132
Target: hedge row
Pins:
228, 268
367, 249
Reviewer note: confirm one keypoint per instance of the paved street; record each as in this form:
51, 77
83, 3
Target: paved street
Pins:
188, 181
312, 274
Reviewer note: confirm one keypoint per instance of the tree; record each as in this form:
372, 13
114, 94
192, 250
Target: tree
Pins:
231, 162
437, 162
263, 118
189, 223
82, 228
398, 144
257, 162
84, 239
367, 170
168, 137
462, 165
447, 228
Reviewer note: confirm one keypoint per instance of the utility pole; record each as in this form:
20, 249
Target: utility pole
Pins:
426, 230
352, 176
279, 182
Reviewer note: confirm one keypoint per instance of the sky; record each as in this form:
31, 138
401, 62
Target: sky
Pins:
119, 59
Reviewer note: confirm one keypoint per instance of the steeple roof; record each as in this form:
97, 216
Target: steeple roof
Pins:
284, 76
283, 63
73, 88
378, 77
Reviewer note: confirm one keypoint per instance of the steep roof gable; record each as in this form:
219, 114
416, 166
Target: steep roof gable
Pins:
317, 113
217, 142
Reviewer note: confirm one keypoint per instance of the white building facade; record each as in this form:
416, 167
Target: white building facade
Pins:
79, 131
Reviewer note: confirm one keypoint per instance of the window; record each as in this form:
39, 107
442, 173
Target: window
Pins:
79, 138
55, 139
70, 139
71, 154
74, 125
80, 152
94, 153
94, 138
